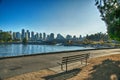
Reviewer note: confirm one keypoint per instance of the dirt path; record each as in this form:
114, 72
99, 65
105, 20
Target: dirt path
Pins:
16, 66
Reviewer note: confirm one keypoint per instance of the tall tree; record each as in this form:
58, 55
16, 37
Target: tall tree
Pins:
110, 13
24, 41
5, 36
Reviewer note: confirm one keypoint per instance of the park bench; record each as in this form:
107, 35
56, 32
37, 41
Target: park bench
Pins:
75, 58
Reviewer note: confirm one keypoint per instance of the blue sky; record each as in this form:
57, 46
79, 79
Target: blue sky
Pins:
72, 17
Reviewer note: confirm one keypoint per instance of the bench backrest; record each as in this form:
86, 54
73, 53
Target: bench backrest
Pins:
70, 59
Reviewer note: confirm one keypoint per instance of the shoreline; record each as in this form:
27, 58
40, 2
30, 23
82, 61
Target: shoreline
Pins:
97, 45
49, 53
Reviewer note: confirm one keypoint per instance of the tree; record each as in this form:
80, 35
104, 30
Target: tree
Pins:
5, 36
24, 41
97, 37
110, 13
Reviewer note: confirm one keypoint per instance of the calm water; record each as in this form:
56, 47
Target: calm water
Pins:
19, 49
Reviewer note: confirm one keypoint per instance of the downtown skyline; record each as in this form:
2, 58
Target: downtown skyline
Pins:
74, 17
32, 36
38, 36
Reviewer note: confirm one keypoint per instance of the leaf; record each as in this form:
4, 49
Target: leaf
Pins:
97, 2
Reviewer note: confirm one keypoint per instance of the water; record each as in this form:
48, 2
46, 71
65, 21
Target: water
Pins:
19, 49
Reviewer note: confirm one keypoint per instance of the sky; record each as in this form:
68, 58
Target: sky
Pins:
74, 17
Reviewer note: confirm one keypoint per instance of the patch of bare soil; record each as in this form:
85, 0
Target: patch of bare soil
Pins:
33, 75
101, 68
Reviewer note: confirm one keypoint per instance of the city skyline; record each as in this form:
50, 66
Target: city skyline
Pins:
32, 33
74, 17
38, 36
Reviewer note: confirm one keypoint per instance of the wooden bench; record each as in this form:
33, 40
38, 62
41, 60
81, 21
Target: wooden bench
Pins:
74, 58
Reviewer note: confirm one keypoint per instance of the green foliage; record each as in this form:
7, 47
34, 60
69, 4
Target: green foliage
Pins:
24, 41
97, 37
110, 13
5, 37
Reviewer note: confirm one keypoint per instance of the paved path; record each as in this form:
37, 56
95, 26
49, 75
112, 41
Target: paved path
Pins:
15, 66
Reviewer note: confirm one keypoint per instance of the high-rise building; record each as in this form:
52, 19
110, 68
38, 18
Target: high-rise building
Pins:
14, 36
32, 35
44, 36
28, 34
40, 36
37, 36
23, 34
52, 36
18, 36
48, 37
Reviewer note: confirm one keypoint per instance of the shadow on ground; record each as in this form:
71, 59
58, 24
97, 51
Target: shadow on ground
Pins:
63, 75
107, 70
0, 78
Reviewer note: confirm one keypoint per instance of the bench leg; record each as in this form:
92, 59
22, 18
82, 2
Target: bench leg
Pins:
81, 61
66, 67
61, 67
86, 61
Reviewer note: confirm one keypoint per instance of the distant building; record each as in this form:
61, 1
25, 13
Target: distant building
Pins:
14, 36
80, 38
40, 36
18, 36
26, 36
51, 36
75, 38
32, 36
37, 36
48, 37
44, 36
1, 31
10, 32
23, 34
60, 37
68, 37
28, 33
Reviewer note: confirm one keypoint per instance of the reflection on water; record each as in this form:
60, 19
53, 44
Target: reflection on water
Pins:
20, 49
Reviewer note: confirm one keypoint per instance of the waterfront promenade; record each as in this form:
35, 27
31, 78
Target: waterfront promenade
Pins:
15, 66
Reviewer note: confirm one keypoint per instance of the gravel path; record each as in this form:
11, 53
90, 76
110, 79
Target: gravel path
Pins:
16, 66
